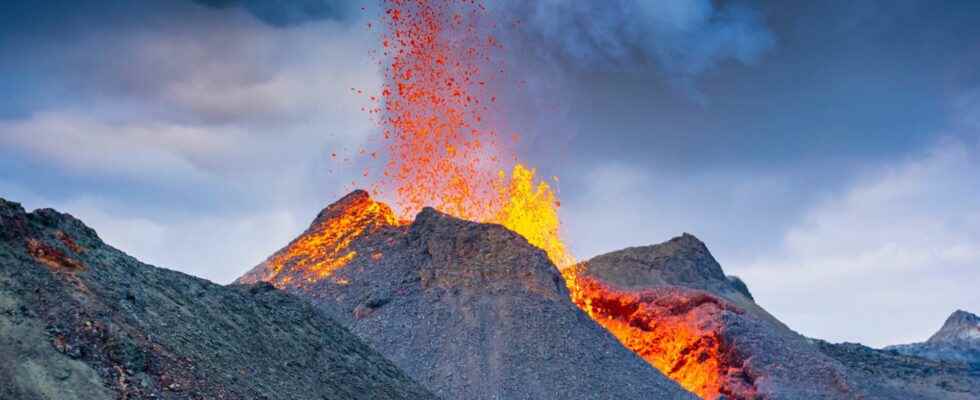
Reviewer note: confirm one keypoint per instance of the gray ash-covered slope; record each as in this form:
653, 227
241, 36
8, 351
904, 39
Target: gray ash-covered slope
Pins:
682, 278
680, 281
891, 375
82, 320
681, 262
958, 341
469, 310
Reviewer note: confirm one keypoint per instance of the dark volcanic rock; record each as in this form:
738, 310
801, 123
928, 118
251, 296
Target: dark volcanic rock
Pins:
892, 375
678, 284
471, 311
681, 262
957, 341
81, 320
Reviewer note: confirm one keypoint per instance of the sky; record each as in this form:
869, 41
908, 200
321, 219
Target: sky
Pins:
827, 153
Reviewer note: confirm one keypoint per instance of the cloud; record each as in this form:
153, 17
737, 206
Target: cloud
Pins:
622, 204
210, 100
157, 133
684, 38
138, 149
966, 109
892, 256
218, 247
283, 13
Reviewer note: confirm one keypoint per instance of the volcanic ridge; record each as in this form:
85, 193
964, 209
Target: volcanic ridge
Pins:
472, 310
363, 305
469, 310
82, 320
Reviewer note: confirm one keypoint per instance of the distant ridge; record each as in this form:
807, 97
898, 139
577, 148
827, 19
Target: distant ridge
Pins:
958, 340
960, 326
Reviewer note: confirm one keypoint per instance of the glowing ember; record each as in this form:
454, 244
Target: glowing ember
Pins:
435, 107
324, 248
440, 152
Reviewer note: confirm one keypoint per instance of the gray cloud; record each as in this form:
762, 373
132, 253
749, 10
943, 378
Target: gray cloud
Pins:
683, 38
892, 255
218, 127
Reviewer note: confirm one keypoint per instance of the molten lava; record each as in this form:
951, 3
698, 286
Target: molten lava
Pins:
325, 247
440, 151
675, 330
436, 111
532, 211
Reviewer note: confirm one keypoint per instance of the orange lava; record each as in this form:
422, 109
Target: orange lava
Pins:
437, 112
436, 109
531, 209
325, 248
441, 152
664, 330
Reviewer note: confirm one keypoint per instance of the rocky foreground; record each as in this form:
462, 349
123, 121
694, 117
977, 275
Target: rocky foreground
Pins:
81, 320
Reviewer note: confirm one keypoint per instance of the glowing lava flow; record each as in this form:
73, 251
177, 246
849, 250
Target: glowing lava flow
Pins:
434, 110
325, 246
675, 330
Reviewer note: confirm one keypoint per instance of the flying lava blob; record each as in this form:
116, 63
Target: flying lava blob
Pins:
436, 109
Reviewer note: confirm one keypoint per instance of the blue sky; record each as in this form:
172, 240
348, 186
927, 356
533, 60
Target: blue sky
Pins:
827, 153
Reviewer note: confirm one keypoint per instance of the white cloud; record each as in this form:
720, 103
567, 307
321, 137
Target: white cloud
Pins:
623, 205
886, 261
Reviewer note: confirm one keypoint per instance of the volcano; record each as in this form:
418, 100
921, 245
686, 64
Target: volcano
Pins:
469, 310
673, 305
82, 320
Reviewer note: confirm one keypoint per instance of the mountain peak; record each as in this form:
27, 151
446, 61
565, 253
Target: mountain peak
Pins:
9, 208
960, 326
683, 260
442, 295
352, 203
326, 244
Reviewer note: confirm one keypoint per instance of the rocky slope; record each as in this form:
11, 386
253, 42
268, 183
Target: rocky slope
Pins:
81, 320
469, 310
957, 341
672, 304
891, 375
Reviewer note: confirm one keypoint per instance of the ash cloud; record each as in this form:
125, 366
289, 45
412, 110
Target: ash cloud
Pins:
284, 13
682, 38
